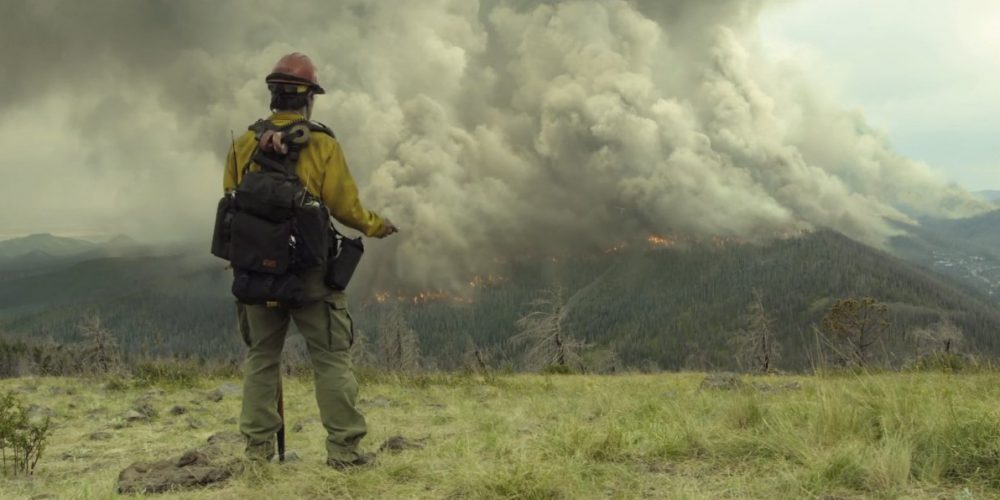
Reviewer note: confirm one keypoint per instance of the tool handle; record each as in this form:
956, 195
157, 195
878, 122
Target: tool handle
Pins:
281, 413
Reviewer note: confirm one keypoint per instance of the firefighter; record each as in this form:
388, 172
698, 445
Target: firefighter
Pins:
323, 317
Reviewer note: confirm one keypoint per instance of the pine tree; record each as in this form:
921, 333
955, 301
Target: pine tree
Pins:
859, 324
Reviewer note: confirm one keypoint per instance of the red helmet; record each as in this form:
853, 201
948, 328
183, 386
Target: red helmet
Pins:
295, 69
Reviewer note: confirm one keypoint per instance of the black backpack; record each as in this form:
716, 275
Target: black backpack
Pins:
271, 228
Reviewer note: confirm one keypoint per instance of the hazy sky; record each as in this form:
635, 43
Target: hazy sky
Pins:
927, 72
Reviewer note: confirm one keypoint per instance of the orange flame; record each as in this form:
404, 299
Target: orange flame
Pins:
479, 281
658, 241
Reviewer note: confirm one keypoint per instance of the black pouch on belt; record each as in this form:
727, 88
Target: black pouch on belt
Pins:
345, 255
312, 236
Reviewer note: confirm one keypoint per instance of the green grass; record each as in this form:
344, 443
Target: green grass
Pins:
902, 435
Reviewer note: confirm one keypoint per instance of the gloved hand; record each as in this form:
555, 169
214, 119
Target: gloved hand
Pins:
387, 228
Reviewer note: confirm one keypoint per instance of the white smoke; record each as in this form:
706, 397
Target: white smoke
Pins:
483, 129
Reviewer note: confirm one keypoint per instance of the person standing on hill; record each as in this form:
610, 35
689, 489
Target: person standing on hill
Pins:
322, 315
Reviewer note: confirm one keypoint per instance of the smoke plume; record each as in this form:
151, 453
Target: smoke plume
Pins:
484, 129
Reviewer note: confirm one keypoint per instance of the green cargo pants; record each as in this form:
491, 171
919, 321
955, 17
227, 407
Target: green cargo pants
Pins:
326, 325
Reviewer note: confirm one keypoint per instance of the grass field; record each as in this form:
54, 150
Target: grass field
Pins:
562, 436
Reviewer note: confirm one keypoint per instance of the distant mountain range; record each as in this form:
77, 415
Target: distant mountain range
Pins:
45, 252
675, 307
43, 245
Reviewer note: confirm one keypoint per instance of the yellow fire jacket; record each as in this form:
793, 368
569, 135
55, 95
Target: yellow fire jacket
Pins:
322, 170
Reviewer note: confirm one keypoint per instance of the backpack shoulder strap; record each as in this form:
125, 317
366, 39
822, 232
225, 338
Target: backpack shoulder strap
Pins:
319, 127
260, 126
284, 163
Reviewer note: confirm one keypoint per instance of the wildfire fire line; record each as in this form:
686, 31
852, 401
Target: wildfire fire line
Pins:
426, 296
653, 241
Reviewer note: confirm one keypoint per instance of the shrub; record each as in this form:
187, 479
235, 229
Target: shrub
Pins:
22, 441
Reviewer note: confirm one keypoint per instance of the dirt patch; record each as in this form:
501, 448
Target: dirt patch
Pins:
191, 470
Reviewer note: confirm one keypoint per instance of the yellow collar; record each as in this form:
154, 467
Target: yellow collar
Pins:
285, 116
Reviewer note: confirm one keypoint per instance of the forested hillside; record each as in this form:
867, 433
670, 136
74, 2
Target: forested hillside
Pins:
678, 308
666, 307
967, 250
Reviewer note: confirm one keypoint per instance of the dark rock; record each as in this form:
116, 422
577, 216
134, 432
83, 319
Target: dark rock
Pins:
178, 410
193, 469
100, 436
722, 382
396, 444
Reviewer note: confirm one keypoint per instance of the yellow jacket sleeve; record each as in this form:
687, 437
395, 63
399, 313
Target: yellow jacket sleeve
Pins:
229, 178
340, 194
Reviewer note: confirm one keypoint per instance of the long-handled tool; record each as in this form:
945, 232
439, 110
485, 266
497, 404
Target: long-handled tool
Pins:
281, 413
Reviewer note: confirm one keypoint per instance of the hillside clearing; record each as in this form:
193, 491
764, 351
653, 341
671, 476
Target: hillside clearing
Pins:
534, 436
